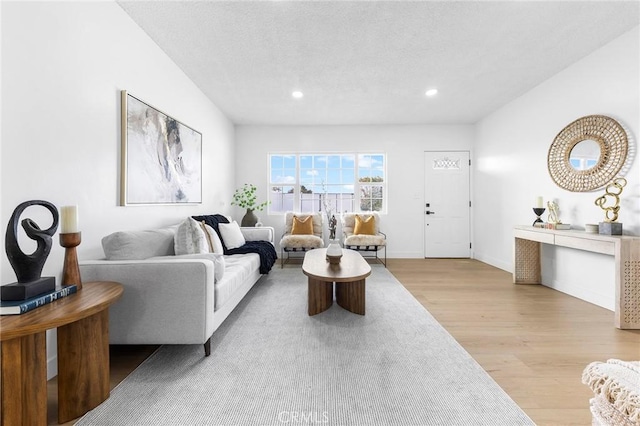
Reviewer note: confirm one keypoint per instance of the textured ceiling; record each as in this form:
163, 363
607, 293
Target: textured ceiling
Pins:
369, 62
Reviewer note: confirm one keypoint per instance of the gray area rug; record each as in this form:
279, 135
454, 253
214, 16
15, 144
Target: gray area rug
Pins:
272, 364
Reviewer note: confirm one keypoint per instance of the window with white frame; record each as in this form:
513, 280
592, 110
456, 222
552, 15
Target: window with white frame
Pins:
316, 181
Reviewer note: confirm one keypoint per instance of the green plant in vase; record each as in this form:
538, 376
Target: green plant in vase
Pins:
245, 198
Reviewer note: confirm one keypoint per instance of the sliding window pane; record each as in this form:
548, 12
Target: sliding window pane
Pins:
371, 198
289, 161
282, 199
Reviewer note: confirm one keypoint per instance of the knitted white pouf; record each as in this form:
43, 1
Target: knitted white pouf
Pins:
616, 386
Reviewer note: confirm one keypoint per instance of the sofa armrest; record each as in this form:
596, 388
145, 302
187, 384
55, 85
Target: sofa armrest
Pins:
165, 300
258, 233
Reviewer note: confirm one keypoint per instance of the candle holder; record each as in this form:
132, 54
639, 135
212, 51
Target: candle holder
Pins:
71, 270
538, 211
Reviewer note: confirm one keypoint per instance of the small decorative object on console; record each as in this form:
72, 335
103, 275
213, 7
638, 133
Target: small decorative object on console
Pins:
554, 221
539, 212
554, 216
613, 191
28, 267
591, 228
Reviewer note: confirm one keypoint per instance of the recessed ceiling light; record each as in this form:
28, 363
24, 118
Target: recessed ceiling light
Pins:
431, 92
297, 94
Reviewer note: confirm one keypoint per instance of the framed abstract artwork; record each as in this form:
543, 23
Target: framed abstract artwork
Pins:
161, 157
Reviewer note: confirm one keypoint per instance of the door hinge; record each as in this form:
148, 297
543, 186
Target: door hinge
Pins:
469, 161
469, 203
469, 245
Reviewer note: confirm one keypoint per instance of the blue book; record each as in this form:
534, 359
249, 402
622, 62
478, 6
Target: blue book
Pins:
16, 307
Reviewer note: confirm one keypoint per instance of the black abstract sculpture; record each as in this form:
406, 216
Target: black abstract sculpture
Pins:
28, 267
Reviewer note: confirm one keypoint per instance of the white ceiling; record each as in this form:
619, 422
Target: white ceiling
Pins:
367, 62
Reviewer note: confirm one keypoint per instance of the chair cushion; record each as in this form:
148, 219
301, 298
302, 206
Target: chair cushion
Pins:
301, 241
302, 226
365, 240
365, 226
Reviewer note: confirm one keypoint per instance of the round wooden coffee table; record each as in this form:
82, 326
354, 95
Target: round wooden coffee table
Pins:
349, 278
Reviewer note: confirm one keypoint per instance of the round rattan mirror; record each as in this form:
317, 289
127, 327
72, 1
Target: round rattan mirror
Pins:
605, 132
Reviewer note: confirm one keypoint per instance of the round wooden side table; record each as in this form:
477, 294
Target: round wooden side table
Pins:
82, 320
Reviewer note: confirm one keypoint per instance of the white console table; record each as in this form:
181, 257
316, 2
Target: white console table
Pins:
625, 250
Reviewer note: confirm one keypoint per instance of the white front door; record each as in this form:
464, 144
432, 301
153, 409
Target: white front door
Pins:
447, 204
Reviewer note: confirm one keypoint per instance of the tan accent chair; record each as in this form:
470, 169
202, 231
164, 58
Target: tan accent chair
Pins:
364, 243
300, 243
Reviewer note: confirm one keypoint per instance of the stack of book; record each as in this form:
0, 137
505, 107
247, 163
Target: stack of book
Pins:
546, 225
16, 307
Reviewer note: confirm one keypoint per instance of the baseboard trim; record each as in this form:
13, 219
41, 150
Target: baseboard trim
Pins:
505, 266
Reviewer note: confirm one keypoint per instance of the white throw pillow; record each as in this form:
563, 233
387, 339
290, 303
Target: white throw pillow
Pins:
190, 238
231, 235
215, 245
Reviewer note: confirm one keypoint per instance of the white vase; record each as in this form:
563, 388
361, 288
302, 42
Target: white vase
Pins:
334, 252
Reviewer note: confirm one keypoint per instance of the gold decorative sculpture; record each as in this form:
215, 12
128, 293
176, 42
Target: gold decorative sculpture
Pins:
613, 190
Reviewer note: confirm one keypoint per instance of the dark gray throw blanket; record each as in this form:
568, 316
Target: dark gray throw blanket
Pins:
265, 249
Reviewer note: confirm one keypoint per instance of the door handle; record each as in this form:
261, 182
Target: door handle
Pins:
430, 212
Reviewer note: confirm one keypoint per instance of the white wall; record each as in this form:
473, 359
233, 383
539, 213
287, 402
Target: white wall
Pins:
404, 146
511, 166
63, 66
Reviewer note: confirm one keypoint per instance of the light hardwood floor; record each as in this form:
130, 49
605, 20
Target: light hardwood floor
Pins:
533, 341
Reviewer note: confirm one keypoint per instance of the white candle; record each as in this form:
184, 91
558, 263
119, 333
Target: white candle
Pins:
69, 221
539, 202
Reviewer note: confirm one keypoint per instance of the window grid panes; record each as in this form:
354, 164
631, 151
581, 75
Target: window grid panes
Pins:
339, 182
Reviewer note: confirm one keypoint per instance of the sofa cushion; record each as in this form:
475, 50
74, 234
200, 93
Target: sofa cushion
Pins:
213, 220
219, 264
137, 245
190, 238
231, 235
238, 268
215, 244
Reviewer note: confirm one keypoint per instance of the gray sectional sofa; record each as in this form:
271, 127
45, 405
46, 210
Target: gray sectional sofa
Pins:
168, 298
